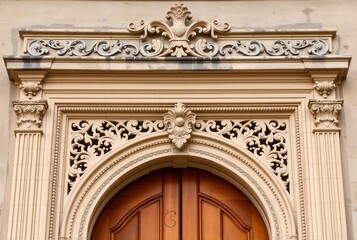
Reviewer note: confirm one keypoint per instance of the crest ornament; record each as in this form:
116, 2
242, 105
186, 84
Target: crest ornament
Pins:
179, 122
181, 38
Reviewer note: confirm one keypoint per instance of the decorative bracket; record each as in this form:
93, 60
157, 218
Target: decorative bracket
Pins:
30, 82
324, 88
326, 112
30, 113
179, 122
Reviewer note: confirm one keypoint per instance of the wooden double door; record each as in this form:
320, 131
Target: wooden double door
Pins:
179, 204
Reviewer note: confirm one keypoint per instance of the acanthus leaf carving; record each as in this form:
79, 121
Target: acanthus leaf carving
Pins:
265, 139
179, 122
317, 47
92, 140
104, 48
179, 35
30, 113
180, 38
324, 88
326, 112
30, 88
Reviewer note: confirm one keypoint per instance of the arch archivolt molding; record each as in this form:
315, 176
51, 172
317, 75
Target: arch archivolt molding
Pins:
154, 152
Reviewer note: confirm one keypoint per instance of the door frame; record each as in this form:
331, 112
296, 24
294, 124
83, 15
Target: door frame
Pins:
293, 86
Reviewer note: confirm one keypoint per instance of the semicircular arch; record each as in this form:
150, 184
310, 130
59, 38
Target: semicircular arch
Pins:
149, 153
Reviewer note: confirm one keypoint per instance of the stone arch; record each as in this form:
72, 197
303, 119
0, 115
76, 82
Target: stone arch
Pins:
155, 151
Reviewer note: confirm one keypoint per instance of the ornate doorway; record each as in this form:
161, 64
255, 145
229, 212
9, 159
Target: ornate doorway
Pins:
174, 204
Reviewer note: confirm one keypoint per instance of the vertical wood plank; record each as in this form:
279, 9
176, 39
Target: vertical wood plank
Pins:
171, 205
189, 204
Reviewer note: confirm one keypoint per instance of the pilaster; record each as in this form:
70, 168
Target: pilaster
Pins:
26, 211
324, 180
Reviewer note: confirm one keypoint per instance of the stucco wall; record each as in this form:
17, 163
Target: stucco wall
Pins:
258, 15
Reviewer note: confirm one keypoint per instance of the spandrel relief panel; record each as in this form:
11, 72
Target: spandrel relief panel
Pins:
264, 139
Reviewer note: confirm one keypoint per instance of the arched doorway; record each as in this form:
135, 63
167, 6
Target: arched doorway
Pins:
185, 204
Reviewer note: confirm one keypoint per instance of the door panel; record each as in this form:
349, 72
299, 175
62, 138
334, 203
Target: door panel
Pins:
185, 204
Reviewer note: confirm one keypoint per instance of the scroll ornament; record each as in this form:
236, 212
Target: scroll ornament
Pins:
178, 38
179, 122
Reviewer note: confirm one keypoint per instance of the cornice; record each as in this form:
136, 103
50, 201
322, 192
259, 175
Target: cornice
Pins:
112, 33
277, 65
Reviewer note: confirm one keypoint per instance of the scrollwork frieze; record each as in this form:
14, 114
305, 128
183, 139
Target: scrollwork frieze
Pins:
179, 37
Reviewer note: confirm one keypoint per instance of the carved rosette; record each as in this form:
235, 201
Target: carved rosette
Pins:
326, 112
179, 122
30, 88
30, 113
324, 88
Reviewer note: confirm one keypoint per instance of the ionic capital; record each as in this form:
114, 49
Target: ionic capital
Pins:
326, 112
30, 113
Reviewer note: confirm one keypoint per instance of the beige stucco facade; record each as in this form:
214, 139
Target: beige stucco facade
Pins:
286, 89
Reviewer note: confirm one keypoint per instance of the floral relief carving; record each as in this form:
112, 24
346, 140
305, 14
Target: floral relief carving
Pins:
30, 88
91, 140
278, 48
30, 113
324, 88
179, 122
179, 35
265, 139
179, 38
326, 112
78, 47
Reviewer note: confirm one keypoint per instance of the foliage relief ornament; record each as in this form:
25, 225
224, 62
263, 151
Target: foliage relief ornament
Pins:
326, 112
179, 122
91, 140
324, 88
30, 113
79, 48
30, 88
179, 35
267, 139
316, 47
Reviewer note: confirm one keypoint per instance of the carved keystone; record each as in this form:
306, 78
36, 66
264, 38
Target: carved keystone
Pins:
179, 122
